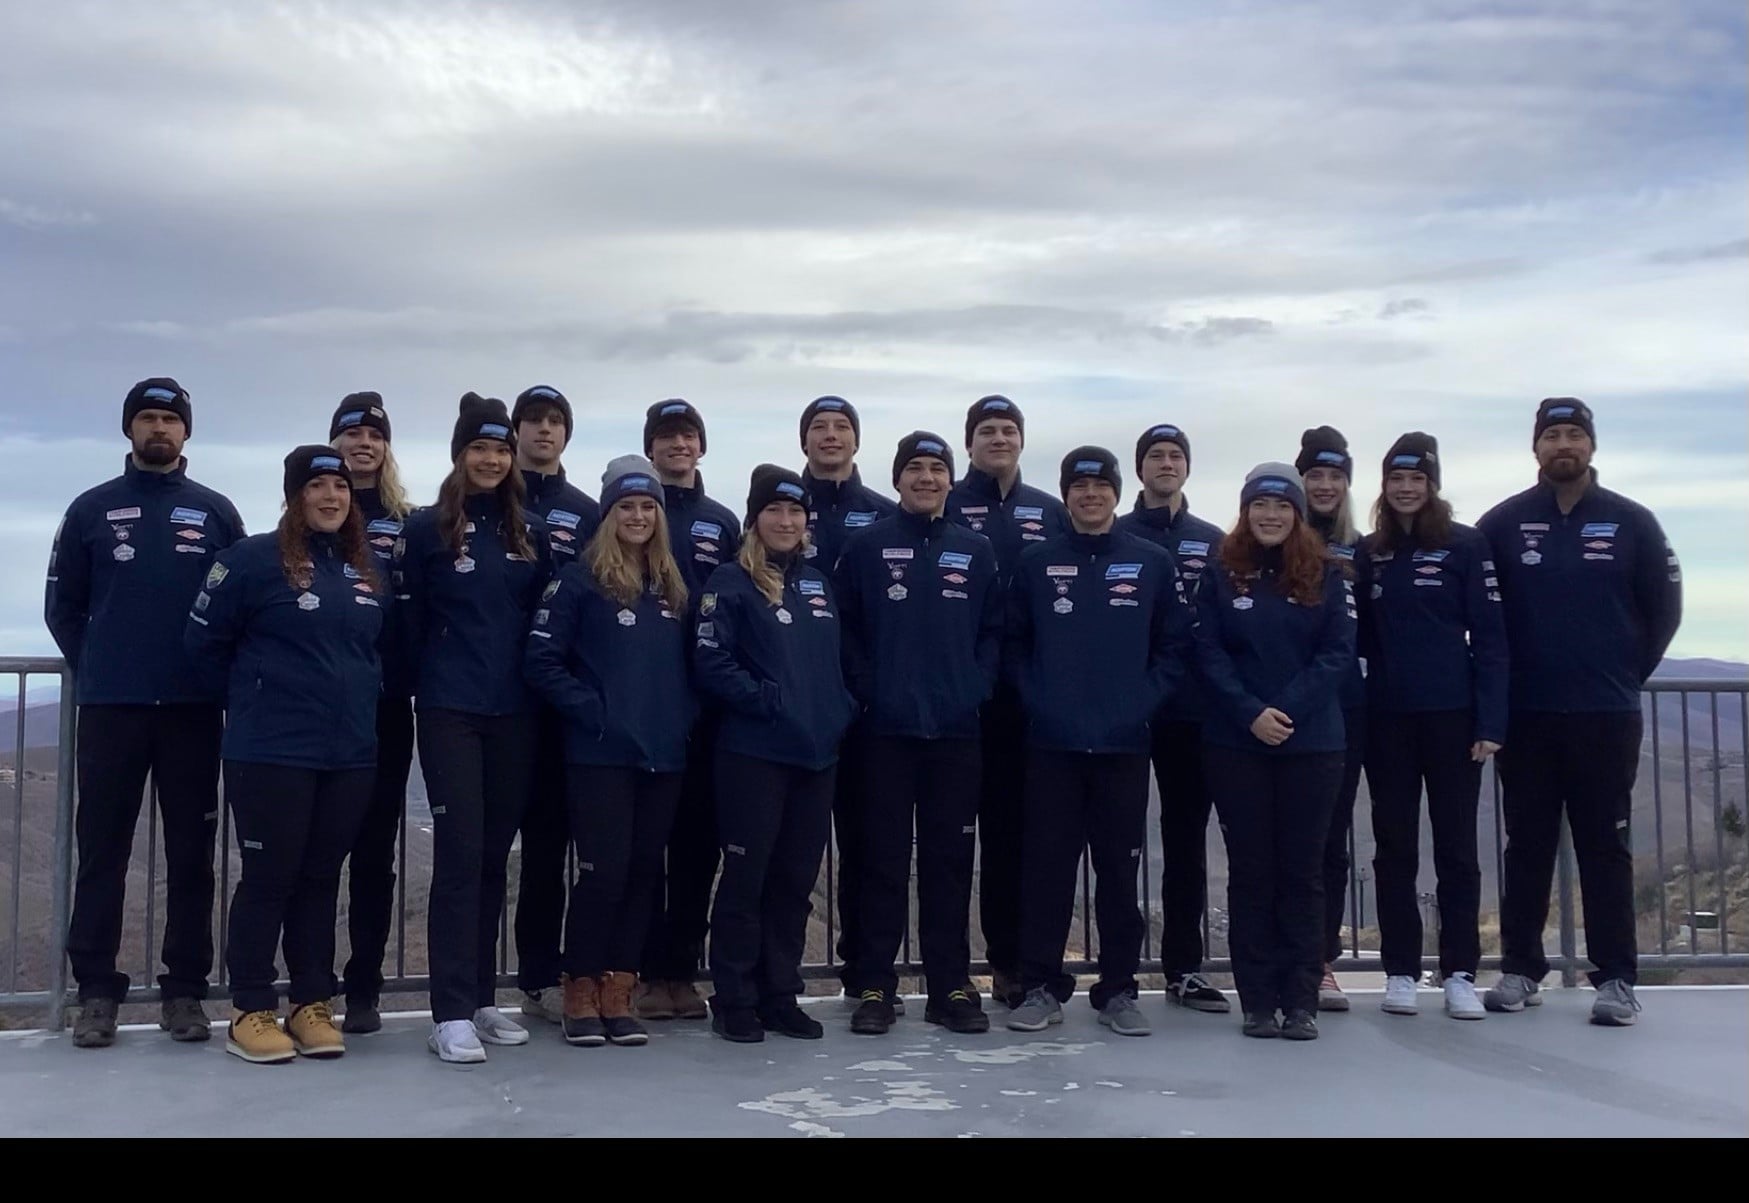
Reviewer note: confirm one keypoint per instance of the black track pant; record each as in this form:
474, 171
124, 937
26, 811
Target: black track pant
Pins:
117, 747
478, 773
294, 830
1585, 764
1077, 800
774, 820
851, 791
371, 877
620, 819
1001, 803
680, 912
1184, 821
935, 780
541, 888
1405, 751
1336, 839
1274, 813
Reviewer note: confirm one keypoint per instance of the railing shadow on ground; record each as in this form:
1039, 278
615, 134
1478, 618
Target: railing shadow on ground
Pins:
36, 971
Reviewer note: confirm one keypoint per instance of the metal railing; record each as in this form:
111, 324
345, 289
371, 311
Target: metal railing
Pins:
1704, 775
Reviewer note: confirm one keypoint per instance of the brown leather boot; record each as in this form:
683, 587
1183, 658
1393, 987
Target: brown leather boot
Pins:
583, 1012
616, 1009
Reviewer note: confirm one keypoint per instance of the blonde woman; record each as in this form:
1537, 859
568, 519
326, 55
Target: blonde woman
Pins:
608, 651
766, 650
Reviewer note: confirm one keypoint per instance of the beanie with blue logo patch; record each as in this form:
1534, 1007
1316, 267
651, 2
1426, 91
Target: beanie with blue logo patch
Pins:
1095, 462
529, 401
1324, 447
306, 463
360, 409
630, 476
772, 484
830, 405
670, 413
1163, 433
1564, 411
481, 418
921, 443
993, 406
1414, 452
157, 392
1275, 480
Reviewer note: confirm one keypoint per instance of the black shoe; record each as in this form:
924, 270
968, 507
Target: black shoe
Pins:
740, 1026
185, 1020
585, 1032
95, 1027
623, 1029
361, 1016
1262, 1025
1192, 991
873, 1016
1299, 1025
787, 1019
958, 1012
898, 1000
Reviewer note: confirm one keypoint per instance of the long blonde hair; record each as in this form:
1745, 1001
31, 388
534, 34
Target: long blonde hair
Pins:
389, 488
621, 574
766, 576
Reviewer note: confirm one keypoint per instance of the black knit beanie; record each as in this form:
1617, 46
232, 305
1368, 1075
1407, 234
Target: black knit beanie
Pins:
1324, 447
771, 483
672, 412
360, 409
1165, 433
1569, 411
543, 394
1416, 452
157, 392
481, 418
839, 405
306, 463
993, 406
921, 442
1090, 461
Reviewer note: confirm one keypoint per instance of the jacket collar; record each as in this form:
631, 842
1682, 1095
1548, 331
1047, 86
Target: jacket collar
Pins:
830, 494
142, 479
985, 485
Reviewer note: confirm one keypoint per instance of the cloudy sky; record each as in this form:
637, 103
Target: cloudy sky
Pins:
1244, 217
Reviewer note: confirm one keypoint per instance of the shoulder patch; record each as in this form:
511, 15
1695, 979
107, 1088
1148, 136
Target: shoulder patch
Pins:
216, 576
707, 604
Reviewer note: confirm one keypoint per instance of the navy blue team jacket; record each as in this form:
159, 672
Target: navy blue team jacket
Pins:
837, 510
1013, 523
381, 529
1194, 545
570, 514
703, 534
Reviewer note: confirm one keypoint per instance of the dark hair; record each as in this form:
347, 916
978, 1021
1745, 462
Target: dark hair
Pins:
294, 546
1429, 529
452, 516
1304, 559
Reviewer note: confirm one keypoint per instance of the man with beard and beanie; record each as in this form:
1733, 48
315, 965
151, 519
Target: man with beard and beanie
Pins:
921, 612
1098, 637
544, 424
992, 500
1593, 596
1162, 516
831, 433
703, 534
128, 559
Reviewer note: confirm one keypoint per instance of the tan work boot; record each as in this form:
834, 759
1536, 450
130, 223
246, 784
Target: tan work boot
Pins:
583, 1024
313, 1031
653, 1000
688, 1002
255, 1037
616, 1009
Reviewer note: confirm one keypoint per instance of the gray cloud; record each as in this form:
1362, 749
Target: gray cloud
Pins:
1403, 307
1735, 249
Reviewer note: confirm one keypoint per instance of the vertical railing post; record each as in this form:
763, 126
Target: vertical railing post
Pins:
62, 870
1569, 928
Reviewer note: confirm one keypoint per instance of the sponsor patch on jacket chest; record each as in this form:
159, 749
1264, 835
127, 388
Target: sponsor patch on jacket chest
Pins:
1123, 572
1029, 513
1600, 530
1431, 557
898, 553
564, 518
955, 559
1062, 570
707, 530
124, 514
811, 588
860, 517
184, 516
1192, 547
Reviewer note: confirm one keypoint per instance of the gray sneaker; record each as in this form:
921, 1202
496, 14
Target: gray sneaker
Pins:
1513, 992
95, 1027
547, 1003
1124, 1017
1616, 1006
1038, 1012
185, 1019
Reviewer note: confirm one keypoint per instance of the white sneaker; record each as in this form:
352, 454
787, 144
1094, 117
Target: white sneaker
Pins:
1461, 1001
495, 1027
455, 1040
1400, 996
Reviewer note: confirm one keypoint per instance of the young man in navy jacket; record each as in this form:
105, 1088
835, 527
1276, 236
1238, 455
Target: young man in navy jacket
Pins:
992, 500
128, 559
1162, 515
544, 424
839, 506
704, 535
1593, 596
921, 611
1097, 639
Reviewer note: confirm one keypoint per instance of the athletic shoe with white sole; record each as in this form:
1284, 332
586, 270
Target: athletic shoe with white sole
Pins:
1123, 1016
1038, 1011
1400, 996
455, 1040
495, 1027
1513, 992
1461, 1000
1616, 1006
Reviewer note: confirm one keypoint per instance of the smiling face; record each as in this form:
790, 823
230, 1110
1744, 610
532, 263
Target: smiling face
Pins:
924, 484
830, 443
1271, 520
1564, 451
363, 448
485, 464
1092, 502
996, 446
1164, 471
157, 436
781, 525
326, 500
1406, 491
540, 438
674, 450
1326, 489
635, 520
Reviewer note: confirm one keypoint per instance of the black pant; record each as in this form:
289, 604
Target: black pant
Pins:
478, 773
1184, 822
1001, 803
620, 818
294, 829
851, 792
1403, 751
1336, 839
681, 908
1585, 763
117, 746
774, 820
1274, 812
371, 877
541, 888
937, 779
1077, 800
